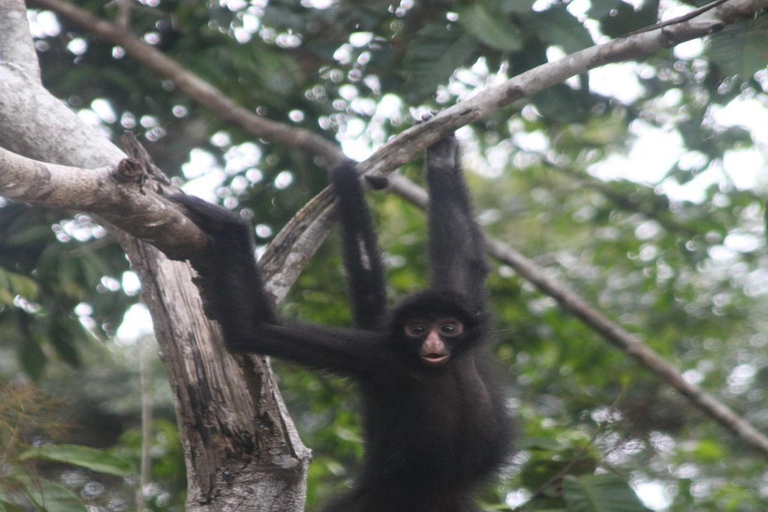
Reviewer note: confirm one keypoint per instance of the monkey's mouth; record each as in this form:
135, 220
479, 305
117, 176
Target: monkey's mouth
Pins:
435, 358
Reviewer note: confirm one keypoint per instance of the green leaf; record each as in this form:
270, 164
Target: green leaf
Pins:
24, 286
709, 451
489, 27
600, 493
62, 335
12, 284
601, 8
516, 6
559, 27
50, 497
742, 48
623, 19
31, 356
539, 443
8, 507
563, 103
435, 53
82, 456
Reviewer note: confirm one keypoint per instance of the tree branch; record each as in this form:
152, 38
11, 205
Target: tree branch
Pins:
18, 51
112, 193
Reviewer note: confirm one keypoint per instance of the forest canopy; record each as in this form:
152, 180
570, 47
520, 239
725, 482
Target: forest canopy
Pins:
622, 189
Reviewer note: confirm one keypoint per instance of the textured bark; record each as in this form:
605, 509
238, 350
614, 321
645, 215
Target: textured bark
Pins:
239, 441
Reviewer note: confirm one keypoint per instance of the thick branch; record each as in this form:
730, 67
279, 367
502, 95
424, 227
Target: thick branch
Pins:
18, 51
112, 193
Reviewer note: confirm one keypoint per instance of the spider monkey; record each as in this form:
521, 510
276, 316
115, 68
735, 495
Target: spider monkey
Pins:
435, 422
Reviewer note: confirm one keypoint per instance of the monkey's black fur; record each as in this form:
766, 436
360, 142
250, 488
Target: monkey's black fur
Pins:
434, 430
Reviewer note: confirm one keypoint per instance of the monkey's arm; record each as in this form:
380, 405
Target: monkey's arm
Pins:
456, 244
233, 291
362, 257
232, 286
349, 352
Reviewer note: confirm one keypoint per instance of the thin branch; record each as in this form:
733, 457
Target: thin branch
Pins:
675, 21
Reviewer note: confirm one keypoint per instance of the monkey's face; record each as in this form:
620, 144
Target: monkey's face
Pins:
436, 338
433, 328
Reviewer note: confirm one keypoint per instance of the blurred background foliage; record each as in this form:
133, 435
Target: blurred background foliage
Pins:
641, 186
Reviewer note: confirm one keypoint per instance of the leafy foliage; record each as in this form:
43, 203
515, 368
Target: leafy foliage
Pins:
82, 456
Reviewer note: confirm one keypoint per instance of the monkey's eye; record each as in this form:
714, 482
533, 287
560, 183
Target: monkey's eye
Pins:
451, 328
415, 329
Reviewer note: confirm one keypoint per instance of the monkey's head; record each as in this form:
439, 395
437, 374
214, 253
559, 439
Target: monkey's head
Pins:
435, 327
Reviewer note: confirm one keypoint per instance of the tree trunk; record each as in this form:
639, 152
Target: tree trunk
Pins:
241, 447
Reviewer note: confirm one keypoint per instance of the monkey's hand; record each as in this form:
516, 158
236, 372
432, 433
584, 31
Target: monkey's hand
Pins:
211, 218
230, 242
443, 155
228, 277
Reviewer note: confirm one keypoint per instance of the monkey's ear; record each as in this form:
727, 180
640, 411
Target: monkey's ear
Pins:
377, 182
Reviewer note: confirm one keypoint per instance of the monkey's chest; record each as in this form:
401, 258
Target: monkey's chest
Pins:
438, 427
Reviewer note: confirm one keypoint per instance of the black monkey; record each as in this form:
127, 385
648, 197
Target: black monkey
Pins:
435, 422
